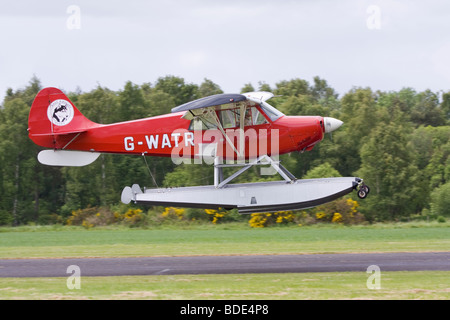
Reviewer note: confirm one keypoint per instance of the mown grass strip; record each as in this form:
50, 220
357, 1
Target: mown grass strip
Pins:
432, 285
78, 242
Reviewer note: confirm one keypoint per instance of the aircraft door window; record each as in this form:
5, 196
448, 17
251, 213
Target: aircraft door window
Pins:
258, 118
199, 123
228, 118
231, 118
248, 117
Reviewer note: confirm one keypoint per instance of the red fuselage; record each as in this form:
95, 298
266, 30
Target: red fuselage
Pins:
55, 123
166, 135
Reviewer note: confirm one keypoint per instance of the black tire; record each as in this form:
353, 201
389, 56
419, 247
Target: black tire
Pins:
362, 193
366, 188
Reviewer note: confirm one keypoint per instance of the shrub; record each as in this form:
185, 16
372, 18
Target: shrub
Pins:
215, 214
284, 217
196, 214
337, 218
261, 220
173, 213
92, 217
339, 211
133, 217
222, 215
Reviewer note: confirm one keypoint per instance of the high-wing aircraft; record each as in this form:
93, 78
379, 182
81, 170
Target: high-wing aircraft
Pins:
224, 130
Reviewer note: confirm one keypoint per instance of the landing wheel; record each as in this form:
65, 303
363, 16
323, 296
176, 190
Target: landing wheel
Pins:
363, 191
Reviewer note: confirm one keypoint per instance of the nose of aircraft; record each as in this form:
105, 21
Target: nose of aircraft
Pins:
331, 124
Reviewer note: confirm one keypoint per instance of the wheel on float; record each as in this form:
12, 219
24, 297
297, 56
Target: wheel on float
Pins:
363, 191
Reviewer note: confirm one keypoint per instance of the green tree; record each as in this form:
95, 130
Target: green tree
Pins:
325, 170
294, 87
248, 87
302, 105
131, 103
178, 89
359, 114
388, 168
186, 175
434, 155
208, 88
440, 200
321, 91
101, 105
26, 94
19, 168
262, 86
157, 102
445, 106
426, 110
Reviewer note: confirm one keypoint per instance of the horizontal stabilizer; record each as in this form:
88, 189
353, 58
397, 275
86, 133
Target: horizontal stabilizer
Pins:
52, 134
67, 158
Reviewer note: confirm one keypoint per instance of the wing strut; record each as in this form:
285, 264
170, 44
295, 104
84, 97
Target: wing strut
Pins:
220, 182
212, 112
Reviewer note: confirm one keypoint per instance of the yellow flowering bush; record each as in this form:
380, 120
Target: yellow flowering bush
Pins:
94, 216
173, 213
321, 215
353, 204
77, 217
215, 214
284, 217
133, 217
259, 220
337, 218
86, 224
91, 217
339, 211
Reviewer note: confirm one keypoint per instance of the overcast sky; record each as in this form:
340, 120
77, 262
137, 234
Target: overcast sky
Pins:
70, 44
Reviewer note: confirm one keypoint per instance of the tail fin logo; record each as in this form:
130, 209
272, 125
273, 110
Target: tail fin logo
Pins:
60, 112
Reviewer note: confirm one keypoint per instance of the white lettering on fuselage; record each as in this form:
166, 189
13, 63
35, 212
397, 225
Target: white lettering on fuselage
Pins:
153, 140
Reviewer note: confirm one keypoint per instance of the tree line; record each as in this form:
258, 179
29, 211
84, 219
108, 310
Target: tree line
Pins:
397, 141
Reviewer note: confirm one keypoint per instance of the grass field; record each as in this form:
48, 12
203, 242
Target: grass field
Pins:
286, 286
38, 242
54, 241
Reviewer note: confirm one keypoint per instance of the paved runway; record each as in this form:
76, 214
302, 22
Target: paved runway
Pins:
225, 264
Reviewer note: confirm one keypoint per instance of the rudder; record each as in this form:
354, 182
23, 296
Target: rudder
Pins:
52, 114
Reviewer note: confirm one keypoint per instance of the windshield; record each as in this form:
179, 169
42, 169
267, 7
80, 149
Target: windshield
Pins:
270, 111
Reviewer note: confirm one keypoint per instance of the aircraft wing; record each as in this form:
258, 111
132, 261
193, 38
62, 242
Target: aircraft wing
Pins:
215, 100
259, 96
220, 102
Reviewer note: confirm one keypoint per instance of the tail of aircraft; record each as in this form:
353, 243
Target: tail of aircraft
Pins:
53, 114
54, 122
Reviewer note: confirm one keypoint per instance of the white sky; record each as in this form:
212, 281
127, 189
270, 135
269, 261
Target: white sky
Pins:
386, 45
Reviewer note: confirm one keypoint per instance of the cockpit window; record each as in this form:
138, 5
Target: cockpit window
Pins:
258, 117
270, 111
231, 118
